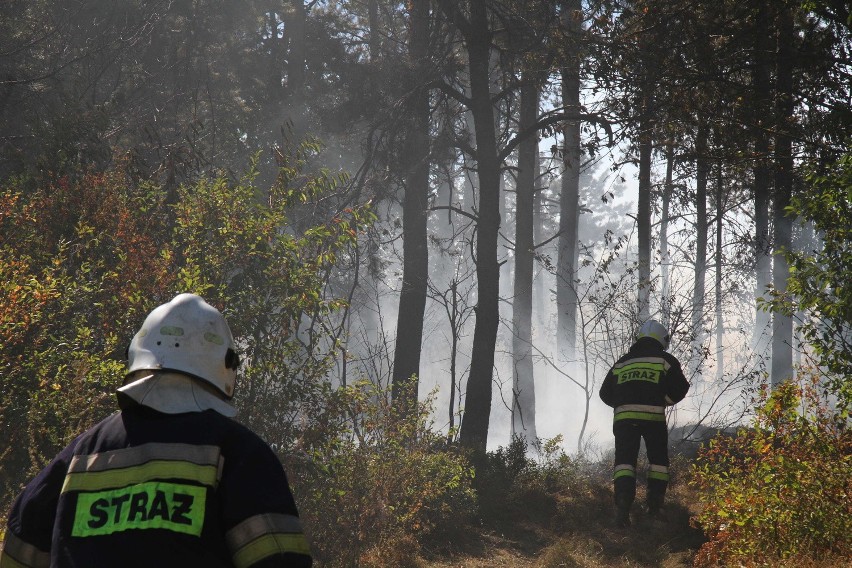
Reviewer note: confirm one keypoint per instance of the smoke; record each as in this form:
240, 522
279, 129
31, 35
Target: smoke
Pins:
566, 394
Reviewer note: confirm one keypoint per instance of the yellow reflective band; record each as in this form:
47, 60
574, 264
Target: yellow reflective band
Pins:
660, 472
624, 471
7, 561
259, 525
139, 455
650, 360
651, 416
116, 478
270, 545
19, 553
640, 408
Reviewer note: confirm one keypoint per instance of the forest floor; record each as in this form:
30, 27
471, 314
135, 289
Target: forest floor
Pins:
579, 533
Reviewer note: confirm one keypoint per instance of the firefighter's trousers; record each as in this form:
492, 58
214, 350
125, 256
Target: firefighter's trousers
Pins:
628, 434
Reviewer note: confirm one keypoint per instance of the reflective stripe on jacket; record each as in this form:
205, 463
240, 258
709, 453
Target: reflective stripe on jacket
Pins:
640, 412
643, 382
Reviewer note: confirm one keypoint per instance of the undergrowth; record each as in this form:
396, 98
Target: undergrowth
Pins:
780, 492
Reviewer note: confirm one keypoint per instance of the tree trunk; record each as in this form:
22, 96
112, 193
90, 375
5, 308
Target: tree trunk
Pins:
295, 105
569, 201
698, 291
277, 57
664, 239
455, 329
412, 301
782, 325
643, 213
644, 220
540, 304
295, 27
762, 121
720, 322
474, 428
478, 35
523, 384
373, 17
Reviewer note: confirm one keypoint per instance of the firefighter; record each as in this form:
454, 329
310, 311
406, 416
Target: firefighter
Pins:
170, 479
639, 387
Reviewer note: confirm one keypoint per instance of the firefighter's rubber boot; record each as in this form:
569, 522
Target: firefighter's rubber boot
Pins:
656, 514
622, 518
623, 501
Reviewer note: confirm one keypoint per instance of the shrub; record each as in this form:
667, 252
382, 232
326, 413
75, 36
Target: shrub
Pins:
780, 491
84, 258
374, 481
511, 481
72, 256
819, 283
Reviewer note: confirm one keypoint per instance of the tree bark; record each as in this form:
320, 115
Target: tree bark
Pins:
373, 18
664, 239
454, 313
701, 226
782, 325
643, 213
762, 173
720, 322
569, 201
477, 32
412, 301
297, 55
539, 298
643, 218
523, 383
295, 105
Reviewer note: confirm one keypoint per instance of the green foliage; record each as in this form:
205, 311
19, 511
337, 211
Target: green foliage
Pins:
239, 247
819, 280
373, 481
103, 77
72, 257
83, 260
779, 491
513, 483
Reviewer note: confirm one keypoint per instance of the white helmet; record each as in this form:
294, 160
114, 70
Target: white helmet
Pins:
188, 336
654, 329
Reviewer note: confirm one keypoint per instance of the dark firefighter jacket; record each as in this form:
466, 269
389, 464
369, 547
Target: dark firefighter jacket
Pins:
144, 488
643, 382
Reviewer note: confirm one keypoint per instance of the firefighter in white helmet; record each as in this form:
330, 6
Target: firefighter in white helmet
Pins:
639, 387
170, 480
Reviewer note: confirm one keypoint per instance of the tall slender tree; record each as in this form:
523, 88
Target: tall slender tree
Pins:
761, 176
702, 167
665, 260
782, 324
477, 33
720, 321
412, 301
646, 148
523, 383
571, 18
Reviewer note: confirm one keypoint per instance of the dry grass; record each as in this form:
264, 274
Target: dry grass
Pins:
500, 557
580, 534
